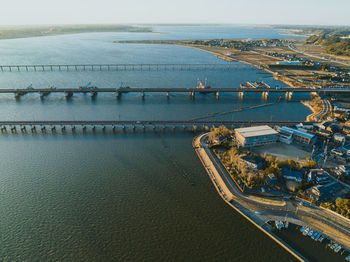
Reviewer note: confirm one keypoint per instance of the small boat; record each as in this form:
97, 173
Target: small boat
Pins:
306, 231
314, 235
310, 233
286, 224
302, 228
321, 239
347, 258
318, 236
338, 248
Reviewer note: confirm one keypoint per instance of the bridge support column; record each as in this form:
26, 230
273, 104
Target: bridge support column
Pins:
241, 95
84, 128
73, 128
68, 94
53, 128
143, 95
93, 128
43, 128
192, 94
23, 128
265, 95
289, 95
63, 128
167, 95
217, 95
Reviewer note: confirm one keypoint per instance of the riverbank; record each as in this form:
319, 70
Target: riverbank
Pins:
229, 198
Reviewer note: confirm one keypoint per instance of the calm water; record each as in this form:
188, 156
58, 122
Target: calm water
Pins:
123, 197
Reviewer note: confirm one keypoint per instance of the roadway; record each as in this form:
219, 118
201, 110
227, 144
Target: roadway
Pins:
170, 90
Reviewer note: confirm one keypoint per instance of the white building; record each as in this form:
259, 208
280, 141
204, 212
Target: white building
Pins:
255, 136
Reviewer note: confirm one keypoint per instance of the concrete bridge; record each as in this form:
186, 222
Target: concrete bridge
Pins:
123, 67
23, 126
93, 91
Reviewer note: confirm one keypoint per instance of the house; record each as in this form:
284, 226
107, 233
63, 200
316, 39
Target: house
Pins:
251, 161
324, 192
344, 169
292, 175
324, 132
339, 138
318, 176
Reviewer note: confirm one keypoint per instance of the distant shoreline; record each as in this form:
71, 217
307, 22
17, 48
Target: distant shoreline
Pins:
16, 32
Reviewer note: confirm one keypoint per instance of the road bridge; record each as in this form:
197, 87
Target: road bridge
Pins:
93, 91
14, 125
123, 67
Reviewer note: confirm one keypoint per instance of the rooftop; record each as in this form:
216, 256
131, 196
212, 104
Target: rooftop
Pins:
256, 131
296, 131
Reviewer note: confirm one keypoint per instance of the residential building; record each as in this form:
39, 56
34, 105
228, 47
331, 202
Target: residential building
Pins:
292, 175
318, 176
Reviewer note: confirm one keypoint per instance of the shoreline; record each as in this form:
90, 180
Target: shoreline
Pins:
222, 191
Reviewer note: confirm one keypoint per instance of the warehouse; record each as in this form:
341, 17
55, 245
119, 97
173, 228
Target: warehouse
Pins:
255, 136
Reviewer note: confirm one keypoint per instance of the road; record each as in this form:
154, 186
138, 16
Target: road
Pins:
318, 57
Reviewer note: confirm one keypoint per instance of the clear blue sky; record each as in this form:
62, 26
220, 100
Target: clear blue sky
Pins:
332, 12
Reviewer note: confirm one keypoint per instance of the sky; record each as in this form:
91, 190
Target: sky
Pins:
308, 12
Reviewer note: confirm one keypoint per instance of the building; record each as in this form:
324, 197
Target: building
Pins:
325, 192
288, 135
318, 176
255, 136
251, 161
292, 175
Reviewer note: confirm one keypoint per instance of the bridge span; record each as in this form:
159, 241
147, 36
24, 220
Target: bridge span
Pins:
93, 91
123, 67
25, 125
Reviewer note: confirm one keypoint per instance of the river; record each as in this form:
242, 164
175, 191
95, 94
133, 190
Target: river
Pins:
139, 196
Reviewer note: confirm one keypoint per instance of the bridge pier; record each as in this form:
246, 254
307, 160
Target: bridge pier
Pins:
93, 94
192, 94
167, 95
84, 128
265, 95
43, 128
68, 94
63, 128
217, 95
241, 95
32, 128
143, 95
73, 128
288, 96
53, 128
23, 128
93, 128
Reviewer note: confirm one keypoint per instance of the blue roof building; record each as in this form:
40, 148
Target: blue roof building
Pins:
299, 136
292, 175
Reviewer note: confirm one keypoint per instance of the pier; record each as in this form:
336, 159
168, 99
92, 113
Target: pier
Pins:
123, 67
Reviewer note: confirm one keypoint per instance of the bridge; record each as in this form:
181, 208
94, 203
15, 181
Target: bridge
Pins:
93, 91
123, 67
14, 125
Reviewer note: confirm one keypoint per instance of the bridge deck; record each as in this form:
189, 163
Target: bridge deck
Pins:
171, 90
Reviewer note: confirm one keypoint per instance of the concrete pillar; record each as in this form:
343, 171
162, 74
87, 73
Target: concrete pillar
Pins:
217, 94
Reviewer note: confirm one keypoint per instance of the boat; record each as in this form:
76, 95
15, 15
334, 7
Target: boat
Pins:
306, 231
201, 86
286, 224
321, 239
347, 258
302, 228
338, 248
310, 233
318, 236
